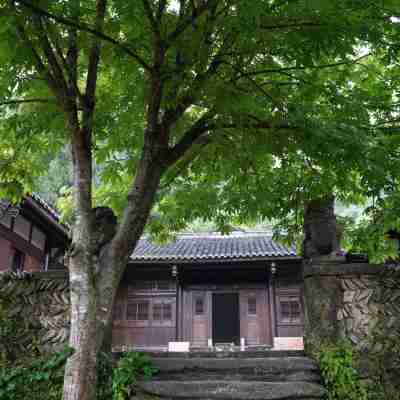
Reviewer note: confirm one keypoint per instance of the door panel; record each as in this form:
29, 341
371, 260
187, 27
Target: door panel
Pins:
226, 328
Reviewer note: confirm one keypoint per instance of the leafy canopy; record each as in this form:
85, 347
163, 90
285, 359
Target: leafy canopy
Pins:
283, 101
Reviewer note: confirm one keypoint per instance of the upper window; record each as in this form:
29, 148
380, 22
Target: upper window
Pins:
137, 310
162, 311
199, 306
290, 310
252, 306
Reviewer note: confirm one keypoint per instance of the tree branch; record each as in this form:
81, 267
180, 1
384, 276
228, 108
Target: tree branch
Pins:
22, 101
42, 69
189, 20
197, 130
56, 69
292, 25
86, 28
94, 58
323, 66
150, 16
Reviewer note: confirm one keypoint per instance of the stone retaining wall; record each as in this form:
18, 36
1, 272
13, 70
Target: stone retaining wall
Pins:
359, 302
42, 301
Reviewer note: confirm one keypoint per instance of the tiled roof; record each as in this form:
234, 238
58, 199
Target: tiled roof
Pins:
213, 247
46, 206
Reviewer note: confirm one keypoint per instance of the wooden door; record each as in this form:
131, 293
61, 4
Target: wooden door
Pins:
255, 317
225, 316
200, 309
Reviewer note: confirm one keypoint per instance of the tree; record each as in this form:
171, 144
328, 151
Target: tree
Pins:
145, 89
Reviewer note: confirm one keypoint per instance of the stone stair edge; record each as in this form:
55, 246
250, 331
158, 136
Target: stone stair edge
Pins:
233, 390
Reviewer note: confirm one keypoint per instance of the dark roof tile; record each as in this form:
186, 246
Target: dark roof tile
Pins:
213, 247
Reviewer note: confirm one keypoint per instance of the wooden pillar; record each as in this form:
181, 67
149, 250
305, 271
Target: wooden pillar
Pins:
175, 274
272, 300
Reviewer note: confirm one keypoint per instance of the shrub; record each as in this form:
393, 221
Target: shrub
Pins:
341, 379
43, 378
40, 380
130, 366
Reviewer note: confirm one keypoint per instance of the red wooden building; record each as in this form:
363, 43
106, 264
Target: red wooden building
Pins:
210, 289
31, 236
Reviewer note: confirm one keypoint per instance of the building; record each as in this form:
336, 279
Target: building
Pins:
211, 289
204, 289
32, 237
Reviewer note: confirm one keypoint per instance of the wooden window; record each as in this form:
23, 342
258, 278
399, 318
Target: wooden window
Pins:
151, 286
290, 310
252, 306
137, 310
167, 311
199, 306
18, 261
38, 238
22, 227
157, 312
162, 311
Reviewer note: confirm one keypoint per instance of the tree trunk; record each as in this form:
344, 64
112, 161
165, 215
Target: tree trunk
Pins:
80, 372
95, 269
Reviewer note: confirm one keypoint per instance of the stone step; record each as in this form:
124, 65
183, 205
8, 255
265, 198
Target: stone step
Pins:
232, 369
232, 390
225, 354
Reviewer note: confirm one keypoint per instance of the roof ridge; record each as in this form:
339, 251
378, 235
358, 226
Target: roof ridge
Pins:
205, 235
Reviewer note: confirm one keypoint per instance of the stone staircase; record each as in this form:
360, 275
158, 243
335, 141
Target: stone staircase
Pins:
267, 375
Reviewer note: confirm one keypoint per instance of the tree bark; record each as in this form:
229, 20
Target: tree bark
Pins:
80, 372
97, 262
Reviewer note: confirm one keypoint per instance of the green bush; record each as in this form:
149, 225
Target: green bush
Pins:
43, 378
341, 379
40, 380
130, 366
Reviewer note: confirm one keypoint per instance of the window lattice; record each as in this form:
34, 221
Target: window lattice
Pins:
290, 311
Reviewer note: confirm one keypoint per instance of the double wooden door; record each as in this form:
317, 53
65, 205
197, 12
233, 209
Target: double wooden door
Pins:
225, 316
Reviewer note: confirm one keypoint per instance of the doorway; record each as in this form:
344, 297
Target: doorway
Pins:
226, 322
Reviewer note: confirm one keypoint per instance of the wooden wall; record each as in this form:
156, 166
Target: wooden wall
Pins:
265, 310
145, 311
10, 242
5, 249
289, 306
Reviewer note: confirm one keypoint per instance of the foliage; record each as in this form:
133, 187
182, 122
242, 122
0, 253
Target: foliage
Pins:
341, 379
40, 380
105, 365
58, 176
226, 110
125, 375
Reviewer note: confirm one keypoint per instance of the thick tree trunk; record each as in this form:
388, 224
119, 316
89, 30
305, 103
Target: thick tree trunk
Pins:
96, 266
80, 373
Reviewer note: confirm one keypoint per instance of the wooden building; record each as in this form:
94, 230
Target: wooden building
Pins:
31, 236
208, 290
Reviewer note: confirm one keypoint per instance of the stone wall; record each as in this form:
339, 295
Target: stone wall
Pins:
41, 301
358, 302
